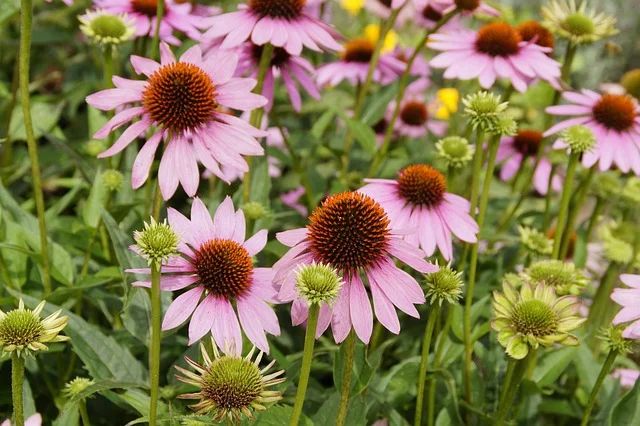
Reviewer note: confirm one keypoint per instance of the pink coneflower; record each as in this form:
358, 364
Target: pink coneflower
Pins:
420, 69
292, 198
469, 7
427, 14
183, 99
176, 16
283, 23
414, 120
495, 51
629, 299
289, 68
353, 66
627, 377
418, 200
383, 9
350, 232
217, 259
614, 121
524, 146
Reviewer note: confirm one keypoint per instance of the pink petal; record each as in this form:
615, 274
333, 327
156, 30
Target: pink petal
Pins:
181, 308
202, 319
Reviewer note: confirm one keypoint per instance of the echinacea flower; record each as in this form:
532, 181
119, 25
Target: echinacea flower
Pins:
483, 110
428, 13
564, 277
183, 98
24, 332
112, 180
444, 285
534, 32
515, 151
627, 376
353, 65
495, 51
283, 23
291, 199
318, 284
217, 260
77, 385
614, 121
456, 152
283, 65
576, 23
415, 119
106, 29
613, 339
419, 200
534, 317
351, 233
177, 16
230, 386
628, 298
35, 419
157, 242
535, 242
384, 8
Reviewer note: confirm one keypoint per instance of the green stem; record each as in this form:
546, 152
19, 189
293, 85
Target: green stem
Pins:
484, 201
83, 413
564, 204
154, 350
508, 376
509, 392
25, 55
431, 394
434, 312
345, 389
256, 115
601, 300
581, 195
596, 388
156, 35
17, 379
597, 209
7, 152
404, 81
307, 357
548, 198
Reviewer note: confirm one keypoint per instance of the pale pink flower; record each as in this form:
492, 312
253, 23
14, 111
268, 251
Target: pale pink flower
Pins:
189, 115
627, 377
290, 69
383, 9
629, 299
615, 123
524, 146
351, 233
418, 202
482, 8
420, 69
427, 14
495, 51
283, 23
353, 66
217, 260
415, 119
292, 198
179, 17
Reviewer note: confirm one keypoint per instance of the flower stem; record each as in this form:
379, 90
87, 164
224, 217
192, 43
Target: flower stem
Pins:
434, 311
154, 350
431, 393
404, 81
549, 198
484, 201
307, 357
581, 195
564, 204
83, 413
596, 388
25, 54
345, 389
17, 379
598, 309
475, 188
597, 209
256, 115
156, 35
510, 390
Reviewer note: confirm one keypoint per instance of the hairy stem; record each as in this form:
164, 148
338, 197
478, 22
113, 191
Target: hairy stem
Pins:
345, 389
307, 357
17, 379
154, 349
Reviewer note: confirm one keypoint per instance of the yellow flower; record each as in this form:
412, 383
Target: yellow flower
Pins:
448, 99
352, 6
372, 33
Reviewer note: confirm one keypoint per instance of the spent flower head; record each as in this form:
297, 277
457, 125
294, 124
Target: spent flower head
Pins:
230, 386
318, 283
157, 242
533, 317
577, 24
77, 385
112, 179
456, 152
534, 241
579, 138
612, 338
444, 285
107, 29
565, 278
484, 109
24, 332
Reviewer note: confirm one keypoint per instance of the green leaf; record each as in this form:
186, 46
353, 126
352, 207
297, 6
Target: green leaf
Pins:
322, 123
587, 366
627, 411
375, 109
362, 132
8, 10
121, 242
277, 415
102, 355
552, 365
96, 202
44, 117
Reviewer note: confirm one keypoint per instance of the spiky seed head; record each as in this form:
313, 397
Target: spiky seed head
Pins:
445, 285
24, 332
254, 210
77, 385
535, 241
318, 283
565, 278
613, 340
579, 138
112, 180
456, 152
484, 109
157, 242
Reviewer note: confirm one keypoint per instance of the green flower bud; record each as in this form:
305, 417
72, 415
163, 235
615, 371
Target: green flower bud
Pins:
106, 29
444, 286
631, 82
484, 110
254, 210
77, 385
563, 277
579, 138
318, 284
456, 152
535, 241
157, 242
613, 340
94, 147
112, 179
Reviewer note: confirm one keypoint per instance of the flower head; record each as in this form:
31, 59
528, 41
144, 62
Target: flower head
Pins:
157, 242
318, 284
532, 317
484, 109
535, 242
414, 119
456, 152
627, 377
77, 385
254, 210
505, 125
230, 387
533, 31
576, 23
615, 341
24, 332
628, 299
444, 285
563, 277
617, 250
631, 82
579, 138
107, 29
112, 180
